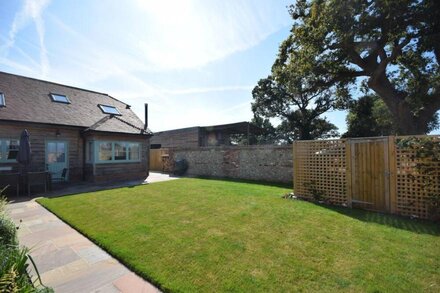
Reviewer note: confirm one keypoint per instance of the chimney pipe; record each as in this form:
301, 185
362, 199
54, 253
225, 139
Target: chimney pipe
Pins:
146, 116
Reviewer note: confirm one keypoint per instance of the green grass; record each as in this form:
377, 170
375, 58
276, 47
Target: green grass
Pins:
212, 235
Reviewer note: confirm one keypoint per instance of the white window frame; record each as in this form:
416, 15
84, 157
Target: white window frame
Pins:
97, 143
102, 107
3, 150
54, 99
2, 100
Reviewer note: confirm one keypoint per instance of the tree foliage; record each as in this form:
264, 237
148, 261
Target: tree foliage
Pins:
369, 116
392, 45
286, 95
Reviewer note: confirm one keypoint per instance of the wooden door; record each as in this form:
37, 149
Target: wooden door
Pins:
370, 174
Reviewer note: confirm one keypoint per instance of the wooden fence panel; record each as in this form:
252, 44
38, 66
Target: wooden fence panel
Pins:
371, 173
156, 159
412, 193
319, 170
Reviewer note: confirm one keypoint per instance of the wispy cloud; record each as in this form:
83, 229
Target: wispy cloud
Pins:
31, 11
193, 33
201, 90
167, 53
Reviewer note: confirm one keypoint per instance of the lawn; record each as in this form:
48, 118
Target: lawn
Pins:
212, 235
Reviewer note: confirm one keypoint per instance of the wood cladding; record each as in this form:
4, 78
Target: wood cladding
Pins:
40, 134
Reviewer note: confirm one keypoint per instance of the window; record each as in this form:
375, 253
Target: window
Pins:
133, 152
105, 151
109, 110
118, 151
8, 150
2, 100
60, 98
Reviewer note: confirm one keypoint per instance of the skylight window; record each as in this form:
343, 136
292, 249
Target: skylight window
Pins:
60, 98
109, 110
2, 100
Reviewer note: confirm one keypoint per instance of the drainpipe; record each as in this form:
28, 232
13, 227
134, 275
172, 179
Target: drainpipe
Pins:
146, 117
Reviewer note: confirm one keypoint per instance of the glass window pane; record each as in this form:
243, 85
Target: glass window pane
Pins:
120, 151
105, 151
2, 100
133, 152
61, 152
51, 152
60, 98
109, 110
11, 149
1, 150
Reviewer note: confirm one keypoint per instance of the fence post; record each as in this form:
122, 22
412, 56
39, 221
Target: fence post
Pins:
294, 163
348, 171
393, 173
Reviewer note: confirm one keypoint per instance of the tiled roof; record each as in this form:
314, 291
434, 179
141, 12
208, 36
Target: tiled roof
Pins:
28, 100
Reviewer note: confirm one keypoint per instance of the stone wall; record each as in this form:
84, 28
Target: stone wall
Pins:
262, 163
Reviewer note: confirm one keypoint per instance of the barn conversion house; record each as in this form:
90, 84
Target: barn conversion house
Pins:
75, 134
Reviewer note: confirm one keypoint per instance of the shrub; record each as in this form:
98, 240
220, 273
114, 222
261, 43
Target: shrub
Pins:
14, 260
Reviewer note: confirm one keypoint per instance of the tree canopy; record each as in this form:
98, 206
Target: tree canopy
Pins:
368, 116
289, 100
393, 47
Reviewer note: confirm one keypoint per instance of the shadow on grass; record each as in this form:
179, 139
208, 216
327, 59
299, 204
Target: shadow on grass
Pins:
266, 183
413, 225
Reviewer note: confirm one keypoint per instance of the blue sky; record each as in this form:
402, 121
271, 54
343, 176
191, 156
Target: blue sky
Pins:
194, 61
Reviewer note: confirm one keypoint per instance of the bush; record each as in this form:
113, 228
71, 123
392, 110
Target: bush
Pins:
14, 260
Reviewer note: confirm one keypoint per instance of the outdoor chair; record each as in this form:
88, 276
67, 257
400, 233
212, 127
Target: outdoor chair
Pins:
36, 178
11, 179
62, 178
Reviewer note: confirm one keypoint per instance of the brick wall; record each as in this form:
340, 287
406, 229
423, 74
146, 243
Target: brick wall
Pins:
263, 163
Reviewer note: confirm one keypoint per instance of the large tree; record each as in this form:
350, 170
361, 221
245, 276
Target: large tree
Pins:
368, 116
393, 45
288, 99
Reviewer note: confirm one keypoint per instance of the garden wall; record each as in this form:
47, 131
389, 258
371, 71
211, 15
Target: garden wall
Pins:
263, 162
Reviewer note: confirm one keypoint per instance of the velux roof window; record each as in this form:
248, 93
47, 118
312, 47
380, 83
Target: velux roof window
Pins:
2, 100
60, 98
109, 110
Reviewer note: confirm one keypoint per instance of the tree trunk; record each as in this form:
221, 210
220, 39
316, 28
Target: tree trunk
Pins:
405, 121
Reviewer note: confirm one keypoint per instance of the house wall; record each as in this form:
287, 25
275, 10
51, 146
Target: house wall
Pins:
187, 137
100, 172
39, 134
262, 163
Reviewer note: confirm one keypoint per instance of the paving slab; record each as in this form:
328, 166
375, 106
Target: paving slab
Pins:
67, 260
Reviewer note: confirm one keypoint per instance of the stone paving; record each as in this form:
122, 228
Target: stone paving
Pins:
68, 261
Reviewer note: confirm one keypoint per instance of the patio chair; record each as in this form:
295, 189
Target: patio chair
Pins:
36, 178
11, 179
60, 179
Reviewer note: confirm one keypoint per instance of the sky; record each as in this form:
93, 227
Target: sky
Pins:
195, 62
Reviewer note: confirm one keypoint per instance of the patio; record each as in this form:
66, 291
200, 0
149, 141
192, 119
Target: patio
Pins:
59, 189
67, 261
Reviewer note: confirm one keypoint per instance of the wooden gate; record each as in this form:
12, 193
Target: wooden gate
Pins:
378, 173
370, 169
157, 159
